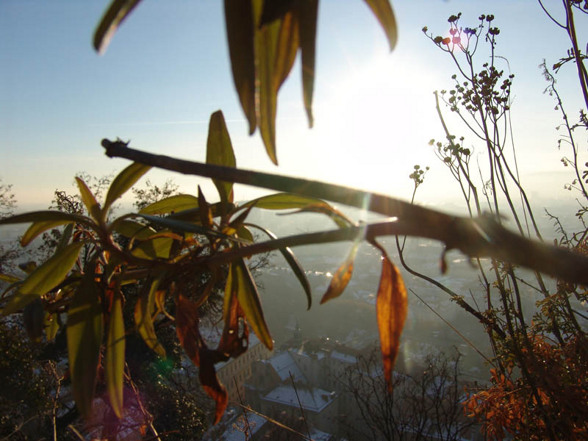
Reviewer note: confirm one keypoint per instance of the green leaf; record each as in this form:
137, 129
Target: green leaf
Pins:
112, 19
51, 326
121, 184
240, 30
44, 278
266, 38
244, 233
282, 201
193, 214
144, 310
155, 248
339, 218
57, 217
84, 337
294, 264
172, 204
219, 151
65, 237
240, 219
385, 15
114, 359
134, 230
89, 200
206, 219
308, 21
8, 278
342, 276
176, 225
37, 228
240, 282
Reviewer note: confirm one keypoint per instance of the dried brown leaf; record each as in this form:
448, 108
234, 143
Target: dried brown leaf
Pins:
341, 277
391, 311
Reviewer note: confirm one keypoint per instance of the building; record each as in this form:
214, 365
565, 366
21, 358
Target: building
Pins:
316, 406
234, 373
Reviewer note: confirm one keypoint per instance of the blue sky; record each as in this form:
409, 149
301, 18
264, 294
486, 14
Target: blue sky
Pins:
167, 70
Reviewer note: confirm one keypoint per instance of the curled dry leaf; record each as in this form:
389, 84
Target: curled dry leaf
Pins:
233, 343
187, 328
191, 340
144, 312
341, 277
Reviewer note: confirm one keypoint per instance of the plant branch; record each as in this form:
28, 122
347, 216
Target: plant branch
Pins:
478, 237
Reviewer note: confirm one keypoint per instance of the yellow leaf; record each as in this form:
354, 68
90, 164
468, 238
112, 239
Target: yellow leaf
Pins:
122, 182
219, 151
89, 200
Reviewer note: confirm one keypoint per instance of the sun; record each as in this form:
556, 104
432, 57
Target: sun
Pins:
375, 124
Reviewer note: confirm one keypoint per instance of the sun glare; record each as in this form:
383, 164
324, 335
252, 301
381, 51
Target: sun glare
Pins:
377, 123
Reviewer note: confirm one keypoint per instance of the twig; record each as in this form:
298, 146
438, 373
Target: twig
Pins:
248, 432
76, 432
274, 422
55, 400
478, 237
299, 404
453, 328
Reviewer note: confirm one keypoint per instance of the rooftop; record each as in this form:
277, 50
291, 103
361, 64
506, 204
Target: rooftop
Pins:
284, 365
313, 399
242, 428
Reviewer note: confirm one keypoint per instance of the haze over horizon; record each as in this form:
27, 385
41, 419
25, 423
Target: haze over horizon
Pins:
165, 72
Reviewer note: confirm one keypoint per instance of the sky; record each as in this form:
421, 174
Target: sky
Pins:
167, 69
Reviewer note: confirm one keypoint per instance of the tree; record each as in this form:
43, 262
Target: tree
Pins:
178, 249
8, 253
26, 400
423, 404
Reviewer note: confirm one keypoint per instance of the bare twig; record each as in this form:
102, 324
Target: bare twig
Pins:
275, 422
299, 404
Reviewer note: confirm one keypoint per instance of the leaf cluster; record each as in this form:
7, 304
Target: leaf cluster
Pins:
166, 251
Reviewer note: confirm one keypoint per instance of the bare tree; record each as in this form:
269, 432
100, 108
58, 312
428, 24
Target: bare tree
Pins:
422, 405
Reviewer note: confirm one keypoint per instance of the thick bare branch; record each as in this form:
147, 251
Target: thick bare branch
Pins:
478, 237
